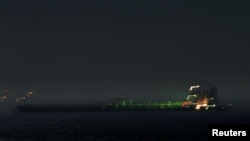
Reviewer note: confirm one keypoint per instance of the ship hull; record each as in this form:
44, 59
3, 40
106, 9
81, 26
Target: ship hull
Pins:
76, 108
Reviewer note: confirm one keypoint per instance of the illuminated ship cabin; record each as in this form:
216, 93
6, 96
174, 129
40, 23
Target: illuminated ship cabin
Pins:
200, 98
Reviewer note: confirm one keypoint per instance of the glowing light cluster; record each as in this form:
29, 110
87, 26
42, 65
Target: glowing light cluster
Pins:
3, 98
192, 87
186, 103
29, 93
24, 98
206, 106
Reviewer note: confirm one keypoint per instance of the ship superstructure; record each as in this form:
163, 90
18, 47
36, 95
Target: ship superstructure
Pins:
201, 98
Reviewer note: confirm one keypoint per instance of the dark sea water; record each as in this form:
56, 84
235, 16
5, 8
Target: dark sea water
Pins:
116, 126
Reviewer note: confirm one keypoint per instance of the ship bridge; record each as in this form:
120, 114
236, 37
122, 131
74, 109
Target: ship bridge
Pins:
200, 97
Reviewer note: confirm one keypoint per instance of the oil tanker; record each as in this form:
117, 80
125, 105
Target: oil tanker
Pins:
197, 99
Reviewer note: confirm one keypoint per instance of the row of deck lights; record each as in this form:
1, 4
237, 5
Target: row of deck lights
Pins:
24, 98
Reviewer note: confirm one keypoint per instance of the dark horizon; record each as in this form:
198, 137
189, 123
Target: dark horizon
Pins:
97, 50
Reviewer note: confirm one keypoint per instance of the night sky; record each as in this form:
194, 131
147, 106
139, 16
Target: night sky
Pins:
93, 50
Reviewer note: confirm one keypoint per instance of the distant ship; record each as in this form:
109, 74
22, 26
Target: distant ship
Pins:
198, 99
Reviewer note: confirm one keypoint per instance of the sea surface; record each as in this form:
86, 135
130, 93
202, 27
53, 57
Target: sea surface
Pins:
116, 126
